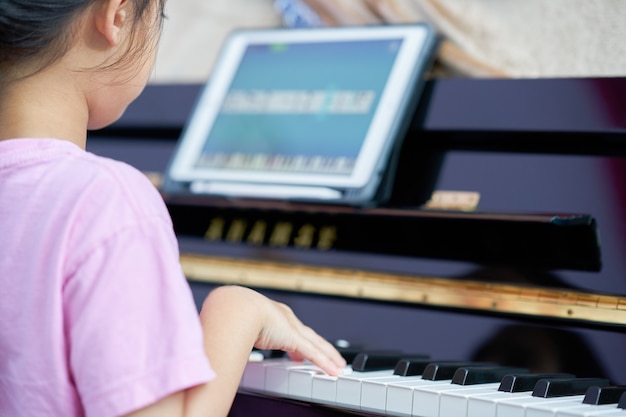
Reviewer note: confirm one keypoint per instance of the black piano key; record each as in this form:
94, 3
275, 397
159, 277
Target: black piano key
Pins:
622, 402
375, 361
483, 374
410, 367
526, 382
438, 371
604, 395
349, 353
271, 354
347, 350
561, 387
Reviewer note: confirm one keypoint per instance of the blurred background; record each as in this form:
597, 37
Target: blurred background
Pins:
480, 38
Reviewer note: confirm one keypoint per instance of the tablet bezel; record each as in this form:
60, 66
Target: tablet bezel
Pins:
395, 102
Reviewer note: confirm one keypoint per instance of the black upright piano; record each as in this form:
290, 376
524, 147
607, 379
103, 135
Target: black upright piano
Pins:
534, 277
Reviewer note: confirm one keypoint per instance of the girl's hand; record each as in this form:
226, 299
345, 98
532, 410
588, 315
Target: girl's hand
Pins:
282, 330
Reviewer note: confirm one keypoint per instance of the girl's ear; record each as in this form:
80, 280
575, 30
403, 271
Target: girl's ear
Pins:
111, 16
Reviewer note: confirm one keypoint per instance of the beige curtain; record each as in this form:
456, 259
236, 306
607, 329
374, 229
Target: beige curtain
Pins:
506, 38
481, 38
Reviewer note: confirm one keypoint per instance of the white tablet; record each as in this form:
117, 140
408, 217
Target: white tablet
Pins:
303, 114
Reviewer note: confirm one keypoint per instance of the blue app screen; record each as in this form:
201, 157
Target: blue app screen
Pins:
300, 107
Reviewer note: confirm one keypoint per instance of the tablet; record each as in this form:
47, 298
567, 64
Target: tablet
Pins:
302, 114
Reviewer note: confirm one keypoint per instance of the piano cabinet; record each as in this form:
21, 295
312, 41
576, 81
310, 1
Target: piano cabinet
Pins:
526, 146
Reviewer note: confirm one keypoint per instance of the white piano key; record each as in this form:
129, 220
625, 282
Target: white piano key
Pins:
400, 396
518, 407
277, 377
374, 391
301, 381
589, 410
256, 356
485, 405
349, 387
254, 374
426, 399
454, 403
324, 389
283, 377
550, 409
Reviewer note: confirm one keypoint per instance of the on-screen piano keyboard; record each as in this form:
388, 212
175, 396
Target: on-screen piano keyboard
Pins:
418, 386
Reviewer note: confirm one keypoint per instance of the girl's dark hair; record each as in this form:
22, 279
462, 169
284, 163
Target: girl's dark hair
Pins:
41, 31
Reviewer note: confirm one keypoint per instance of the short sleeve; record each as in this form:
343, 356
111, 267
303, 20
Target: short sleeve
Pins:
132, 326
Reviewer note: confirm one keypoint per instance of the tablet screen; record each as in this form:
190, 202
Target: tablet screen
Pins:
316, 108
300, 107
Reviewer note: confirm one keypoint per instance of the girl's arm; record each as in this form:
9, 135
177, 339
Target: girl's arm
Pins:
236, 319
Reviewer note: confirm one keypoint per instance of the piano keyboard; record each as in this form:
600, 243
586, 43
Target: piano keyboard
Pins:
385, 384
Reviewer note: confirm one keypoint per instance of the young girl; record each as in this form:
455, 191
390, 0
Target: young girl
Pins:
96, 317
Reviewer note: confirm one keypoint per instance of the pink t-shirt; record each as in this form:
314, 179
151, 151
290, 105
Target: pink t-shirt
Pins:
96, 317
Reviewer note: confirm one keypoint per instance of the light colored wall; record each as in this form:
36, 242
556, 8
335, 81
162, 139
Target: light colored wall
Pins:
483, 38
195, 29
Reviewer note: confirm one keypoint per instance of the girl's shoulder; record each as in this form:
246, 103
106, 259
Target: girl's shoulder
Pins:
110, 179
65, 172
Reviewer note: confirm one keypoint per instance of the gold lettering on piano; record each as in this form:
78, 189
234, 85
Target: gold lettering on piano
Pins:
215, 231
327, 237
281, 234
453, 200
236, 230
304, 237
257, 234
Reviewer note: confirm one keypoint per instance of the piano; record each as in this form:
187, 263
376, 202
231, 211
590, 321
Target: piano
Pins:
531, 282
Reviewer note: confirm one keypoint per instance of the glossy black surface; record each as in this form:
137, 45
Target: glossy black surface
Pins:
526, 146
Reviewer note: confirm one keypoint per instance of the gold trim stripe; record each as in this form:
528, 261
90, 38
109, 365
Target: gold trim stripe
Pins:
430, 291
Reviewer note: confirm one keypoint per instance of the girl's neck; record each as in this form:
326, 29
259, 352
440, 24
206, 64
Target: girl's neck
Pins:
45, 105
